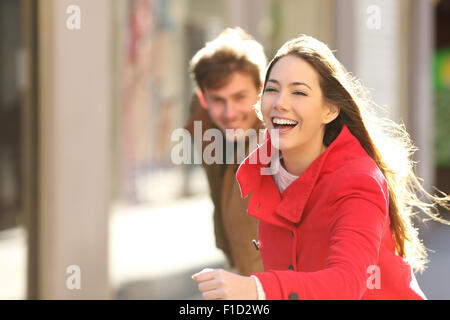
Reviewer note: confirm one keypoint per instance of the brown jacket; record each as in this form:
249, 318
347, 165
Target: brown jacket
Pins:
234, 228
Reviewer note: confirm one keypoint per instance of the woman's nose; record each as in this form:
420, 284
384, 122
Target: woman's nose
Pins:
280, 101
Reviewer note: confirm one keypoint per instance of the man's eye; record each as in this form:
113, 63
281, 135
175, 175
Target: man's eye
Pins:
270, 89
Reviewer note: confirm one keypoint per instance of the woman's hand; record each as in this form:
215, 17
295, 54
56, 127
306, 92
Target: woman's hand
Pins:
220, 284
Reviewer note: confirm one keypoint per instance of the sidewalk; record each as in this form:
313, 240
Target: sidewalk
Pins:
155, 249
13, 264
435, 280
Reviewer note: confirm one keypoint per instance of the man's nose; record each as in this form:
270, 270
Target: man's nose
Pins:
230, 111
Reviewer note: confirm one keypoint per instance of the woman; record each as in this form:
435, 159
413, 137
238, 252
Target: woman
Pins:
335, 218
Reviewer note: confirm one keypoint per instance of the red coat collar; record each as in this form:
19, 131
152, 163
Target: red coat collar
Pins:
269, 200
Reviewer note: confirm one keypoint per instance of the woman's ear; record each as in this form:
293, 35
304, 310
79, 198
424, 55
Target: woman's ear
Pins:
332, 112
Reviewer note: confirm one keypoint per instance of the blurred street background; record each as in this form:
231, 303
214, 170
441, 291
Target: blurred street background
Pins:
91, 91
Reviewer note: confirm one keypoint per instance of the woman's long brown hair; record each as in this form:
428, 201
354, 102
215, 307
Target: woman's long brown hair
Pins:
385, 141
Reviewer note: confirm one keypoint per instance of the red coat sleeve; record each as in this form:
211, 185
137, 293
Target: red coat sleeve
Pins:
358, 210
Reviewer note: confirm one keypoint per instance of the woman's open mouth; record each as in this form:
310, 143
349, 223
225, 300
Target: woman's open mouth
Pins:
283, 125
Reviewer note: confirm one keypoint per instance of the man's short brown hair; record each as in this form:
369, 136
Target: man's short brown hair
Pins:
233, 50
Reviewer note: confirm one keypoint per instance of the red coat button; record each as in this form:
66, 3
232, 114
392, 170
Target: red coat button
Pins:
293, 296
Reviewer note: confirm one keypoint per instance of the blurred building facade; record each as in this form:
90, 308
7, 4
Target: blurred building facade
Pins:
89, 100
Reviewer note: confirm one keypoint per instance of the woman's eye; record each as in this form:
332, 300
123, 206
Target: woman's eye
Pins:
299, 93
270, 89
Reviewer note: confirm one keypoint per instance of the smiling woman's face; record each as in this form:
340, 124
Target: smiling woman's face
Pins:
292, 103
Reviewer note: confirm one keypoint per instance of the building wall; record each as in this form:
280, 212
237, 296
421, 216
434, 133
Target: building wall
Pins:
74, 156
378, 41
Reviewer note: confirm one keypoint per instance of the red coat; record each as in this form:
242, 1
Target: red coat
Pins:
327, 235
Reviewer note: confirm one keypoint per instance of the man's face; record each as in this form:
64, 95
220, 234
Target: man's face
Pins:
232, 106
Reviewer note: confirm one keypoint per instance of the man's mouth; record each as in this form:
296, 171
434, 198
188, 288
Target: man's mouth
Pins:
233, 124
283, 124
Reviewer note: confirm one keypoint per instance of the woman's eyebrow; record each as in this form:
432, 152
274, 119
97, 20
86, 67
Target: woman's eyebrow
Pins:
274, 81
300, 84
296, 83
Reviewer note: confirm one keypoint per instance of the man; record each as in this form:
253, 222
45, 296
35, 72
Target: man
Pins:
229, 73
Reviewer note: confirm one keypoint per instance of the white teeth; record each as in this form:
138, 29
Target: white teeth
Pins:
284, 121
